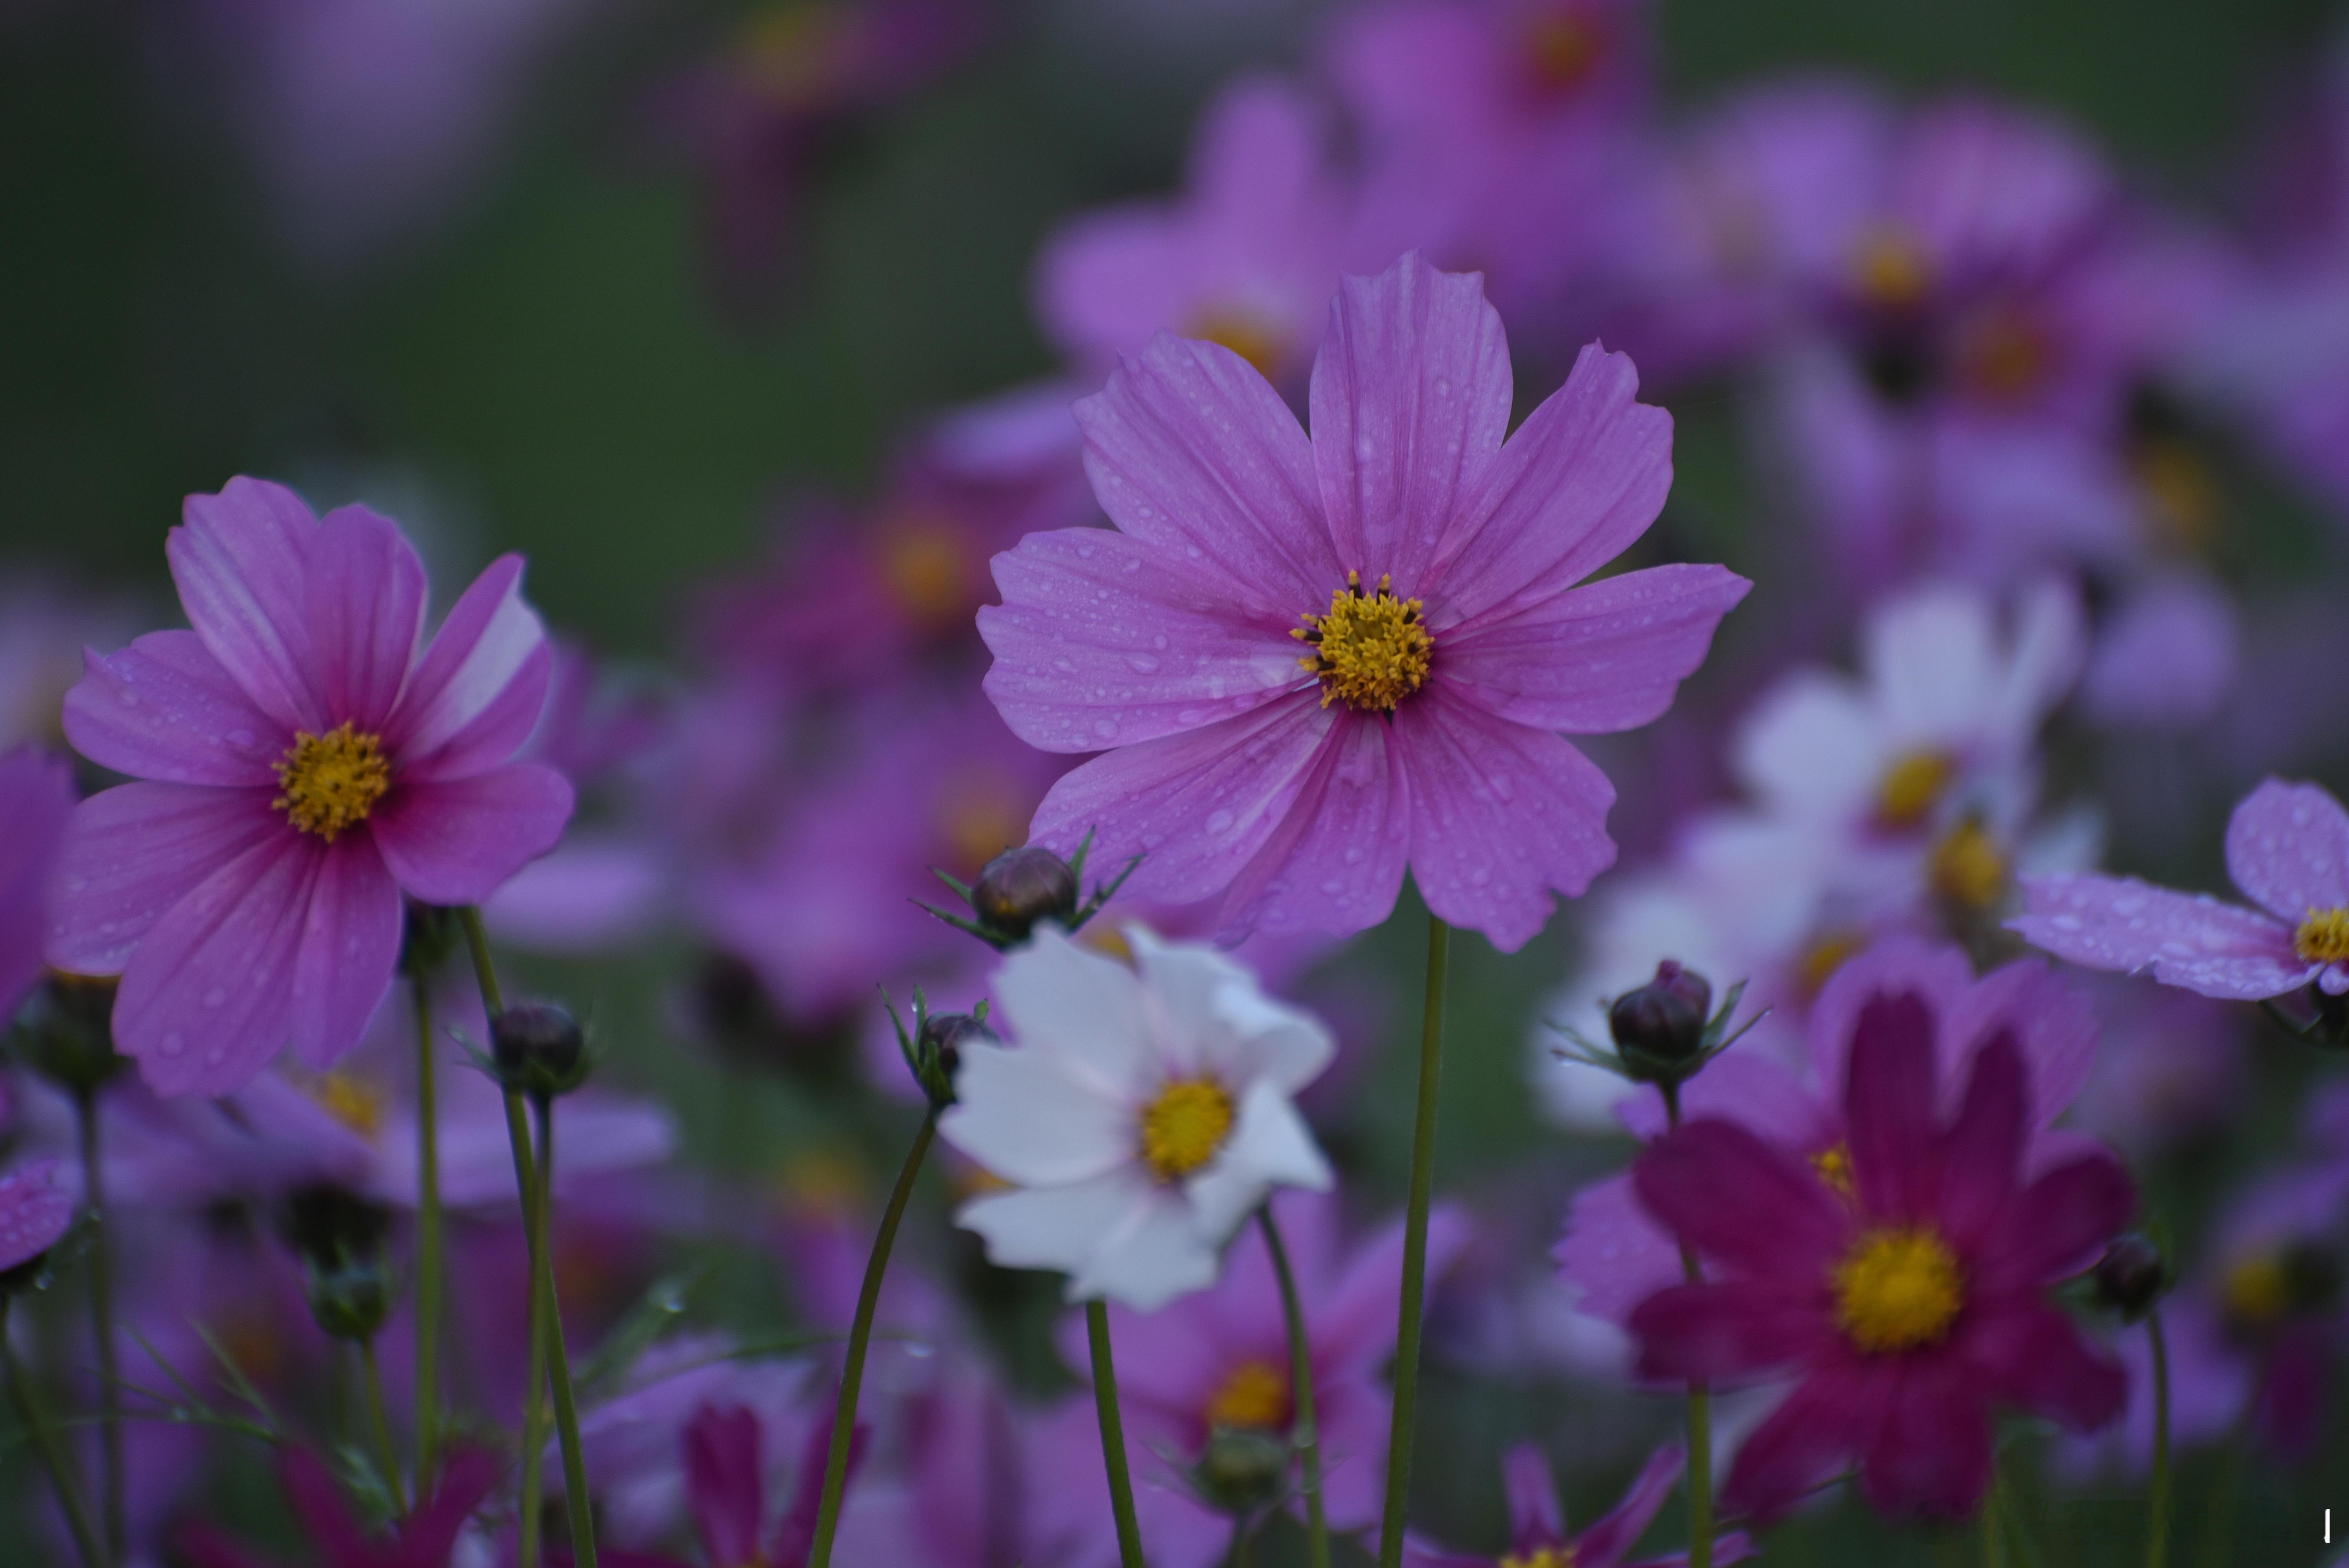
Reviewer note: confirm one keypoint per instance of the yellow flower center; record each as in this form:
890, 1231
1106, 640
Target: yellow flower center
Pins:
984, 813
1374, 651
1889, 270
1254, 1396
1968, 869
1818, 961
790, 49
1561, 47
1244, 332
1833, 1166
1911, 786
2004, 355
927, 566
2324, 936
355, 1102
331, 781
2185, 494
1553, 1556
1184, 1127
2258, 1290
1898, 1290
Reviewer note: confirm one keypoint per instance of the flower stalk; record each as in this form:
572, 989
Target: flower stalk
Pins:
380, 1426
1112, 1435
102, 1320
860, 1339
2157, 1538
1700, 1398
54, 1458
1304, 1431
1415, 1249
428, 1244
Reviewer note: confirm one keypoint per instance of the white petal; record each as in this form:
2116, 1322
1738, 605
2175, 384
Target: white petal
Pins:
1085, 1007
1152, 1255
1270, 1146
1055, 1227
1272, 1040
1219, 1016
2051, 644
1932, 657
1031, 1117
1810, 748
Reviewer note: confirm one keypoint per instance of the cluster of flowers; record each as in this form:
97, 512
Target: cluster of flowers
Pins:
1274, 558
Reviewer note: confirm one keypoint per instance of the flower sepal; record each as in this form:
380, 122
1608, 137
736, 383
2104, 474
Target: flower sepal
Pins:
538, 1050
1241, 1471
2327, 1024
1663, 1034
933, 1048
1021, 888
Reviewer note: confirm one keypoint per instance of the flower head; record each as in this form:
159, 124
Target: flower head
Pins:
1140, 1113
423, 1538
1905, 1290
305, 758
2287, 847
1537, 1537
1428, 570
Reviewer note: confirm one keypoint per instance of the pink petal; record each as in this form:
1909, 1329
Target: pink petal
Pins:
2288, 847
132, 853
1937, 971
1756, 1092
35, 1211
1805, 1441
1606, 656
1335, 865
723, 1481
2056, 1226
37, 801
477, 694
1190, 451
1534, 1512
1501, 816
1582, 478
2189, 940
1753, 1205
1410, 401
1888, 1108
366, 612
1103, 640
1614, 1253
1354, 1327
239, 559
1607, 1541
333, 1530
1983, 1148
467, 1477
1931, 1454
1197, 806
1733, 1331
2054, 1024
164, 709
350, 937
456, 842
2029, 1354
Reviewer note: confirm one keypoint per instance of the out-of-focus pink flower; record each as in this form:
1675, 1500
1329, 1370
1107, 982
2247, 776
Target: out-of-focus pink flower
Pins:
1433, 570
2167, 657
306, 758
2287, 848
423, 1539
33, 1211
1908, 1301
37, 799
727, 1487
1538, 1523
1247, 257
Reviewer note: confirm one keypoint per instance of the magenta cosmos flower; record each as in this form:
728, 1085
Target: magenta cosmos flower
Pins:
1426, 573
33, 1212
304, 759
1537, 1537
1909, 1294
2287, 846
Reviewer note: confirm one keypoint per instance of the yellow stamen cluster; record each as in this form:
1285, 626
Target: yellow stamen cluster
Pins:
1555, 1555
1184, 1127
928, 567
1968, 868
2323, 937
1561, 47
1374, 650
2184, 492
1244, 332
355, 1102
1888, 269
1833, 1166
1912, 787
2257, 1291
1254, 1396
1898, 1290
2004, 355
330, 782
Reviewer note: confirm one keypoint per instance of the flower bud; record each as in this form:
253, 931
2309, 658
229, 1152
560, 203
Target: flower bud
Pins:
349, 1300
65, 1031
1019, 887
1242, 1470
938, 1052
1661, 1027
2131, 1275
539, 1049
339, 1236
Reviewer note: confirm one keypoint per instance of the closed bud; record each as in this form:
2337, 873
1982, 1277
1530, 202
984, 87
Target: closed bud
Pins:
1242, 1469
539, 1050
2131, 1275
339, 1236
349, 1300
1020, 887
1661, 1027
937, 1053
65, 1033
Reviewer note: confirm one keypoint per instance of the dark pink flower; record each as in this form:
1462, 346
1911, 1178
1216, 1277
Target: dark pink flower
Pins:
305, 758
1430, 571
423, 1539
1537, 1537
2287, 847
726, 1487
1907, 1304
37, 798
33, 1211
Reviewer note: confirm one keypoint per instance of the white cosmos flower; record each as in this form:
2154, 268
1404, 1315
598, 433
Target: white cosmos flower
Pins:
1141, 1114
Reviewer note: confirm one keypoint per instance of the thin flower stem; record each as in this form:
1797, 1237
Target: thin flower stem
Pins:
1238, 1557
558, 1360
534, 1399
1699, 1405
477, 941
379, 1422
2157, 1540
54, 1458
102, 1323
1304, 1431
859, 1338
1413, 1305
1112, 1435
1993, 1539
428, 1239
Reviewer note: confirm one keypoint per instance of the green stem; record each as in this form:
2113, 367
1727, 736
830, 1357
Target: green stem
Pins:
101, 1324
2157, 1540
1700, 1404
1304, 1431
427, 1240
1993, 1539
1238, 1557
860, 1336
54, 1458
1112, 1435
558, 1360
1414, 1250
485, 973
380, 1424
533, 1399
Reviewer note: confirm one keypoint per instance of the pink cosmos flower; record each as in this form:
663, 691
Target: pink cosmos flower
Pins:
37, 798
305, 758
1907, 1304
33, 1211
1428, 570
1537, 1537
2287, 847
423, 1539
